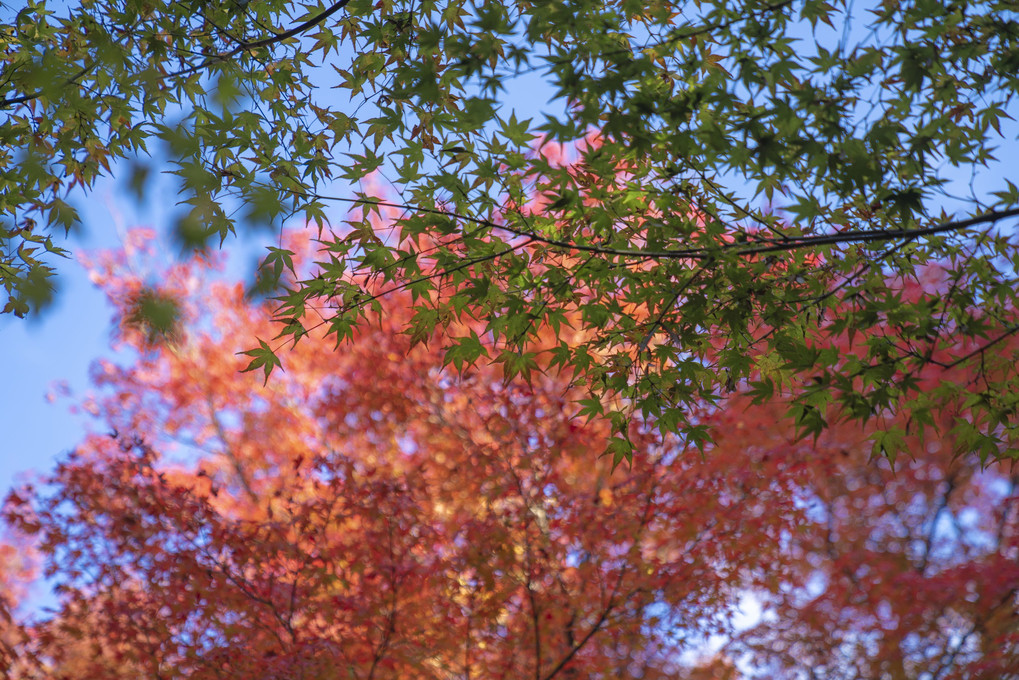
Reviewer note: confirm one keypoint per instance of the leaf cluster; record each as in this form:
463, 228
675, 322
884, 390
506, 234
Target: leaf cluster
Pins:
720, 190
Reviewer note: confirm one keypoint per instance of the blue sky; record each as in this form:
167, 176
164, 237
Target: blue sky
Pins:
60, 344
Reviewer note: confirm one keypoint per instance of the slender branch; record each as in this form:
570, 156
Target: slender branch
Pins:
580, 645
677, 35
214, 59
235, 461
646, 340
949, 656
390, 628
264, 42
1013, 482
14, 101
728, 24
928, 542
535, 619
739, 249
772, 245
300, 28
612, 603
364, 301
1011, 330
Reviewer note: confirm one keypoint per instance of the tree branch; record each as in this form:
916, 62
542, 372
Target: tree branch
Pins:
14, 101
215, 59
264, 42
928, 542
762, 246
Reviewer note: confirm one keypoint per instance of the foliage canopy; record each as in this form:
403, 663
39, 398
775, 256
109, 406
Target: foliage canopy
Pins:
722, 189
367, 515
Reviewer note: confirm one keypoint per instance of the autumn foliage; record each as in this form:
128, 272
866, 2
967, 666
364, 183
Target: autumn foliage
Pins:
373, 513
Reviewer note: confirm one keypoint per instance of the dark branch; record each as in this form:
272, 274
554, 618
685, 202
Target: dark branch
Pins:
264, 42
739, 249
13, 101
300, 28
215, 59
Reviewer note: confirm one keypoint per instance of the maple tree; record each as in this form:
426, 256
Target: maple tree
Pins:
16, 572
373, 513
900, 574
757, 164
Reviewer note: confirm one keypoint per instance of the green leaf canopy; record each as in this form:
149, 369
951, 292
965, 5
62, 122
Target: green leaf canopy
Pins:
798, 196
